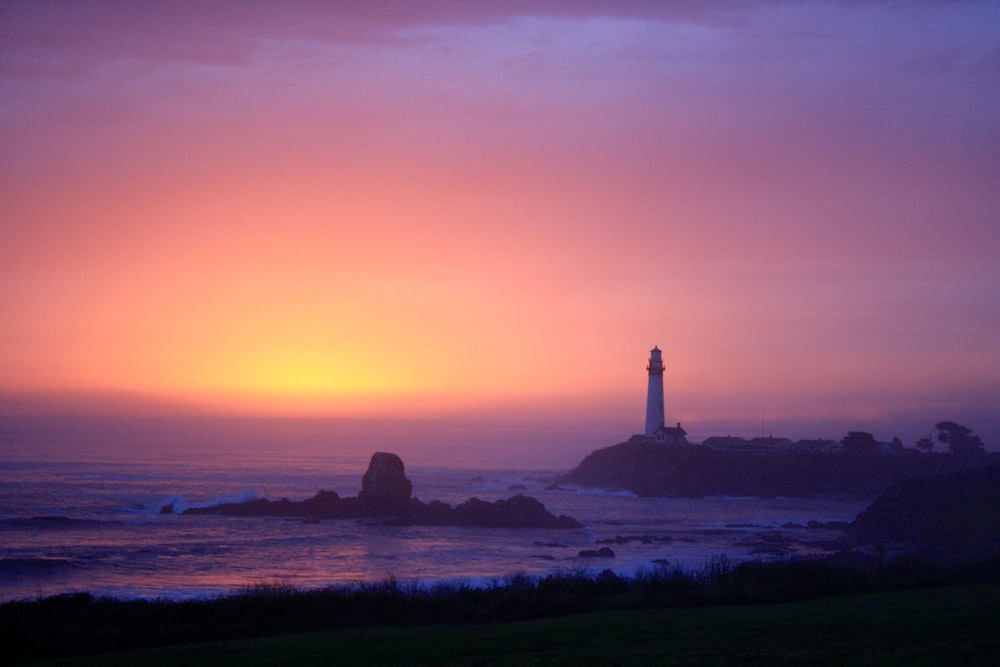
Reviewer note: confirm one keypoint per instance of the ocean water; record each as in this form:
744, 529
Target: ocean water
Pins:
80, 511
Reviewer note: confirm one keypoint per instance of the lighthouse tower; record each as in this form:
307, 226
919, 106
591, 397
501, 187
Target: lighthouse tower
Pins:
654, 394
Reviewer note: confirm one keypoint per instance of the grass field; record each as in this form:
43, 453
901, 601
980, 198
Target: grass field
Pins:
957, 625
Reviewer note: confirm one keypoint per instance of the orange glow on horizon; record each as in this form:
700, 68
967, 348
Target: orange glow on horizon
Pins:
332, 210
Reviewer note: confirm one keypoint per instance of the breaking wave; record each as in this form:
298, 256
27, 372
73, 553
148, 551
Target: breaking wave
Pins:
179, 504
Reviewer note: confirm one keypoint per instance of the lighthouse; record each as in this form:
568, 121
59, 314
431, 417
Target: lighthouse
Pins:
654, 394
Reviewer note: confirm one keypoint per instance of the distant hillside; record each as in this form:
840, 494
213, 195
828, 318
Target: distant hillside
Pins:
692, 471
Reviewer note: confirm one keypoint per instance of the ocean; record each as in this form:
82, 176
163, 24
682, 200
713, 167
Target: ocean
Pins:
80, 503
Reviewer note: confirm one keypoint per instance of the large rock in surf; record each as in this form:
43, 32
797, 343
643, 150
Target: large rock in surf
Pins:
386, 493
385, 488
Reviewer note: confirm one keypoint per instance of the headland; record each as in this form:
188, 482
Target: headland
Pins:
695, 471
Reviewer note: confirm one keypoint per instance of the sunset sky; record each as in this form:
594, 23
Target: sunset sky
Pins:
437, 208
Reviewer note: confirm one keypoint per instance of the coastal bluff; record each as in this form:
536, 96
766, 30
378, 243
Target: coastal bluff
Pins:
695, 471
953, 517
386, 493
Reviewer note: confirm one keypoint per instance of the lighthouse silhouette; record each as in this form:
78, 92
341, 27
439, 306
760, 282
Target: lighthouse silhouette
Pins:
654, 394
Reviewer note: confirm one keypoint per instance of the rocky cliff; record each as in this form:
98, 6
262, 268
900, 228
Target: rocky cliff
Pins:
693, 471
952, 517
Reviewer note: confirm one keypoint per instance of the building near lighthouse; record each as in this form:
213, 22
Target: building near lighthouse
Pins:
656, 429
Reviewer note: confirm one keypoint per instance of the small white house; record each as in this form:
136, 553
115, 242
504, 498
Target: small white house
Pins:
671, 435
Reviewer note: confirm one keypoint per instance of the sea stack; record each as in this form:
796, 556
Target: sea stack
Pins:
385, 488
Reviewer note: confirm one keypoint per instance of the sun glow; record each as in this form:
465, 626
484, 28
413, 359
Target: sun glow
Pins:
345, 208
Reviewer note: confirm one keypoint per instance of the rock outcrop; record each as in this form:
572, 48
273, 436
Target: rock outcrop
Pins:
519, 511
385, 488
386, 494
953, 517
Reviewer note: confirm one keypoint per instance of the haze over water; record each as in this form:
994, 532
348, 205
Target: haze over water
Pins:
459, 443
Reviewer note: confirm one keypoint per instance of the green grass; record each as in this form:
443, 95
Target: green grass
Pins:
928, 626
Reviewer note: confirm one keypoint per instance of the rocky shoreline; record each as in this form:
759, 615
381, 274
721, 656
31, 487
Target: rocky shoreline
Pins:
948, 518
696, 471
954, 516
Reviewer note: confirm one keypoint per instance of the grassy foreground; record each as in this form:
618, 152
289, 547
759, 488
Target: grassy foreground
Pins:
939, 626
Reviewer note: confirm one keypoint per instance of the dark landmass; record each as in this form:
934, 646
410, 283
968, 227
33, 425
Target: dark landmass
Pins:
696, 471
927, 626
951, 518
386, 494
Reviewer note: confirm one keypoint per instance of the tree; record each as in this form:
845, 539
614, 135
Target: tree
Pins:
960, 439
925, 444
859, 442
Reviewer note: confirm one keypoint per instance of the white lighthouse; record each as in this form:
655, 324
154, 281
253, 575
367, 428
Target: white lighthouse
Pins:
654, 394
